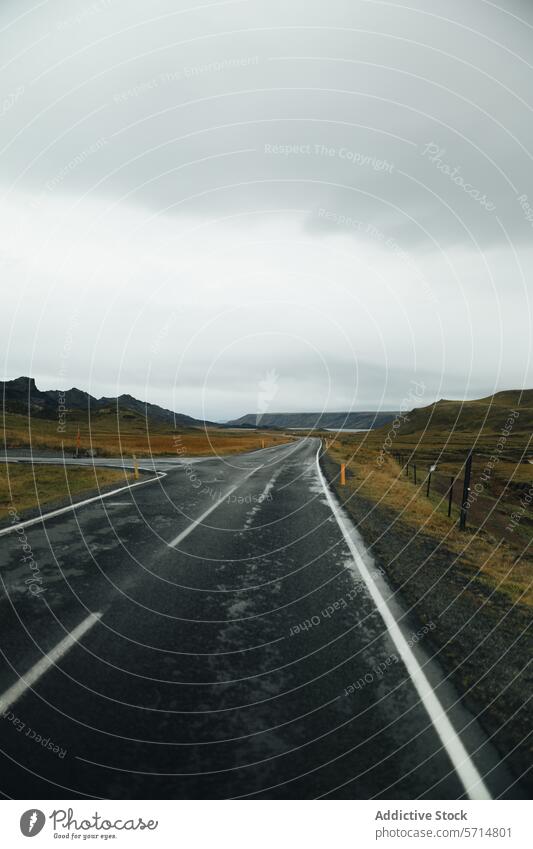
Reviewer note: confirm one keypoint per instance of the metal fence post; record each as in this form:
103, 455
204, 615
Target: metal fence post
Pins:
450, 496
414, 472
466, 491
431, 468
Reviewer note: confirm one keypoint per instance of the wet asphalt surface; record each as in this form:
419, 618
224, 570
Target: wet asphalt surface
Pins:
248, 661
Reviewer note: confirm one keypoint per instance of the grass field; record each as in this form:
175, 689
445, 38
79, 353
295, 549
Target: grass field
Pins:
110, 435
24, 486
441, 435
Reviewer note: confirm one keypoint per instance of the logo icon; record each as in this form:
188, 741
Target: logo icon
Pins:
32, 822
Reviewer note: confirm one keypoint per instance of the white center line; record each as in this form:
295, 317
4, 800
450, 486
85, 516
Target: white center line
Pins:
176, 541
264, 495
42, 666
463, 765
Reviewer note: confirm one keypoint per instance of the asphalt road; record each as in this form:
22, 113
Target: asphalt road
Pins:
221, 632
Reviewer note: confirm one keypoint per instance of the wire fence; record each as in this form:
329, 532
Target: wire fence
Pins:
470, 496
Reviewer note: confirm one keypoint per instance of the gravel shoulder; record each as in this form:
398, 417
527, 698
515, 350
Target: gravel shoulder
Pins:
482, 640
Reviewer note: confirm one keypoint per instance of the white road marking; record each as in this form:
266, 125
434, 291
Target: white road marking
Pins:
31, 677
176, 541
120, 503
264, 495
123, 462
44, 516
463, 765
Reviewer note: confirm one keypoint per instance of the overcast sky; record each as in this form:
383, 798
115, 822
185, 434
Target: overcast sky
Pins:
262, 205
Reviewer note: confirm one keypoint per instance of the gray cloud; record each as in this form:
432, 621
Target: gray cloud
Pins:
398, 135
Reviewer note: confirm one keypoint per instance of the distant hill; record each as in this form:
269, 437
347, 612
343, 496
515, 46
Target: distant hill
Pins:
363, 420
489, 413
22, 396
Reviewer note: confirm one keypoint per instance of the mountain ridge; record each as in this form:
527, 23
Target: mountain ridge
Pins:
21, 395
363, 419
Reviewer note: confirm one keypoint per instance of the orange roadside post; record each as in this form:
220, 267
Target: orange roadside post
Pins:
343, 474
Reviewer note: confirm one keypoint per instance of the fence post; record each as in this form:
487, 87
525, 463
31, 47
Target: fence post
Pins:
414, 472
429, 482
450, 496
466, 490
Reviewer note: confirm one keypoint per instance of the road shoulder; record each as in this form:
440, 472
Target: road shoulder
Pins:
481, 639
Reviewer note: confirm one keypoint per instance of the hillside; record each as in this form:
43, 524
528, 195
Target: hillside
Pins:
22, 396
363, 420
483, 414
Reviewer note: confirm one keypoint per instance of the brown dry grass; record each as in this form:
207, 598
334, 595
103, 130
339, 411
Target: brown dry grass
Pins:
500, 562
24, 486
113, 436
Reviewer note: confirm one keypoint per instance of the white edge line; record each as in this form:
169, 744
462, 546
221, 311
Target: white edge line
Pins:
26, 681
44, 516
176, 541
461, 760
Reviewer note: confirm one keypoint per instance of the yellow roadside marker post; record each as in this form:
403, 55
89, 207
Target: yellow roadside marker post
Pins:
262, 443
135, 468
343, 474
